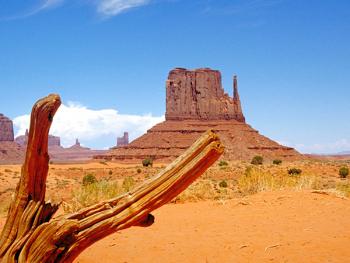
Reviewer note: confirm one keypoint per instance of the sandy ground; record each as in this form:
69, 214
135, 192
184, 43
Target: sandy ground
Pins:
266, 227
282, 226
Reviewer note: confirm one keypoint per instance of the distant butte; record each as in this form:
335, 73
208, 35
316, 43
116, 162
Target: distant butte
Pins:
196, 102
124, 140
10, 151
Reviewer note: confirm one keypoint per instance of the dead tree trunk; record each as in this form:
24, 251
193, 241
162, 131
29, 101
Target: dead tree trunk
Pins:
32, 235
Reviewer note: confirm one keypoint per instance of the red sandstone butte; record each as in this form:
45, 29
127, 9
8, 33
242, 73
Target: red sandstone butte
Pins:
196, 102
6, 129
124, 140
10, 151
198, 95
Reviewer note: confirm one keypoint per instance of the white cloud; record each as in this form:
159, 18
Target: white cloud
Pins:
43, 5
92, 126
115, 7
50, 4
106, 8
321, 148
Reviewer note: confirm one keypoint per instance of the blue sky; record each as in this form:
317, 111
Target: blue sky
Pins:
291, 57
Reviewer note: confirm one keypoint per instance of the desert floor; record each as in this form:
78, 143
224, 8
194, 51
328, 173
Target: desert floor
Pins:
287, 219
277, 226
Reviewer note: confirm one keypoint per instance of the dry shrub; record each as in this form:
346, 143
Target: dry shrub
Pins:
204, 189
128, 183
257, 180
93, 193
97, 191
343, 189
199, 190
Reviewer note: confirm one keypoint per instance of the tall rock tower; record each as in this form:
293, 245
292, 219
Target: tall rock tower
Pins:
198, 95
6, 129
237, 102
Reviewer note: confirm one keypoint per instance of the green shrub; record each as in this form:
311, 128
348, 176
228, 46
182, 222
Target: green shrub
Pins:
257, 160
223, 184
138, 170
277, 162
223, 163
294, 171
89, 179
343, 172
128, 183
147, 162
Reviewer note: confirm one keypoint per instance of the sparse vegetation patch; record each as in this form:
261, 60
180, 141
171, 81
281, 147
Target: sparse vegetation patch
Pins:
343, 172
89, 179
294, 171
257, 160
277, 161
223, 184
147, 162
223, 163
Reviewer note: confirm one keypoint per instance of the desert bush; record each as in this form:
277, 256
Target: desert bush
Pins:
7, 171
277, 162
257, 180
89, 179
110, 172
257, 160
128, 183
92, 194
138, 170
147, 162
199, 190
103, 162
343, 172
294, 171
223, 184
344, 189
223, 163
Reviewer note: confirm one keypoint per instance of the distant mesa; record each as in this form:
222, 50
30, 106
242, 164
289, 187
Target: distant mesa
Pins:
54, 141
6, 129
9, 149
124, 140
74, 153
13, 150
196, 102
22, 139
77, 146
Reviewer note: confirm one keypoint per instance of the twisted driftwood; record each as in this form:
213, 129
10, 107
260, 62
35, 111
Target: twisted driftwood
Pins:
32, 235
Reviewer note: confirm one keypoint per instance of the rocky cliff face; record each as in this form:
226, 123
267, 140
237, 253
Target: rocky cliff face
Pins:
6, 129
198, 95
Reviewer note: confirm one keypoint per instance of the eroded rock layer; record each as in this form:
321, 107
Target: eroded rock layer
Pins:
169, 139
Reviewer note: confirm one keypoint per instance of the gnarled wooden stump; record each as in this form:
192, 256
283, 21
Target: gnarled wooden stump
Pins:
32, 235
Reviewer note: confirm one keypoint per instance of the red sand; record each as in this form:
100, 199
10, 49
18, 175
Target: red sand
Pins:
267, 227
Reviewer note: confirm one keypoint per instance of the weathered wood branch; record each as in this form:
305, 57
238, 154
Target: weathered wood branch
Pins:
31, 235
